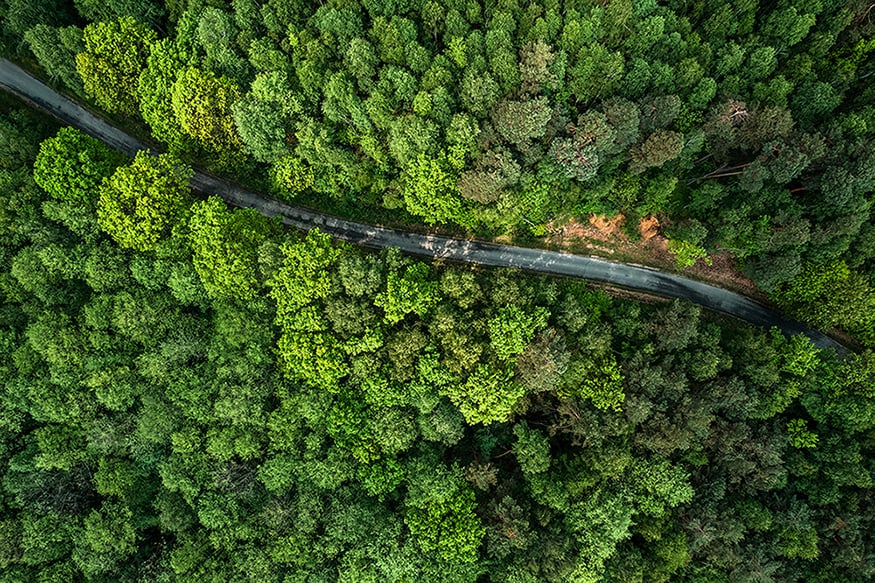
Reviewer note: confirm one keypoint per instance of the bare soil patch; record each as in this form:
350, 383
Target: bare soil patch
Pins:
648, 227
605, 236
598, 228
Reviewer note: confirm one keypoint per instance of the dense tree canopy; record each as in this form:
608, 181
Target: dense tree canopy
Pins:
504, 117
189, 392
755, 122
206, 396
115, 54
141, 202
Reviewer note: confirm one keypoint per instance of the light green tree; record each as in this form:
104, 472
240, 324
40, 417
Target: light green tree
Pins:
412, 292
166, 60
291, 176
601, 382
429, 189
115, 55
511, 330
303, 277
489, 395
306, 347
203, 105
442, 521
140, 202
225, 248
71, 166
799, 435
687, 253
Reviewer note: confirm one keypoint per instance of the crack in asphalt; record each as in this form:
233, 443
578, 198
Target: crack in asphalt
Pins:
20, 83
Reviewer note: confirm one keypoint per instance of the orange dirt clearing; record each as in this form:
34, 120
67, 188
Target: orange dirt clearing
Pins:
604, 236
648, 227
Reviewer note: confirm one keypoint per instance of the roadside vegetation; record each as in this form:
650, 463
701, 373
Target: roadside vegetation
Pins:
745, 128
190, 392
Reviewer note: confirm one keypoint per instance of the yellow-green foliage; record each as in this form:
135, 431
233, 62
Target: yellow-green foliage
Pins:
429, 189
799, 436
139, 203
306, 349
71, 166
413, 292
448, 528
490, 395
686, 254
601, 383
202, 104
291, 176
225, 247
115, 55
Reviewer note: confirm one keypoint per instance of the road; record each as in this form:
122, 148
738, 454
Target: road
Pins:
20, 83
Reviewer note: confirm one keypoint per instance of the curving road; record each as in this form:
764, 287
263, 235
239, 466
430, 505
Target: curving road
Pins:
18, 82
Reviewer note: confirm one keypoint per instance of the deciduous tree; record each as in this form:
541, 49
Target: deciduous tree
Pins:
166, 60
71, 166
489, 395
225, 248
511, 330
115, 55
429, 189
414, 292
140, 203
202, 103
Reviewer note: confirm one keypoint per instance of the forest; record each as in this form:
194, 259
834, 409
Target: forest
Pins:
747, 125
191, 392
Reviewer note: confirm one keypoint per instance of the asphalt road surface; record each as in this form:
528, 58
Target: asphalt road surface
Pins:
18, 82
